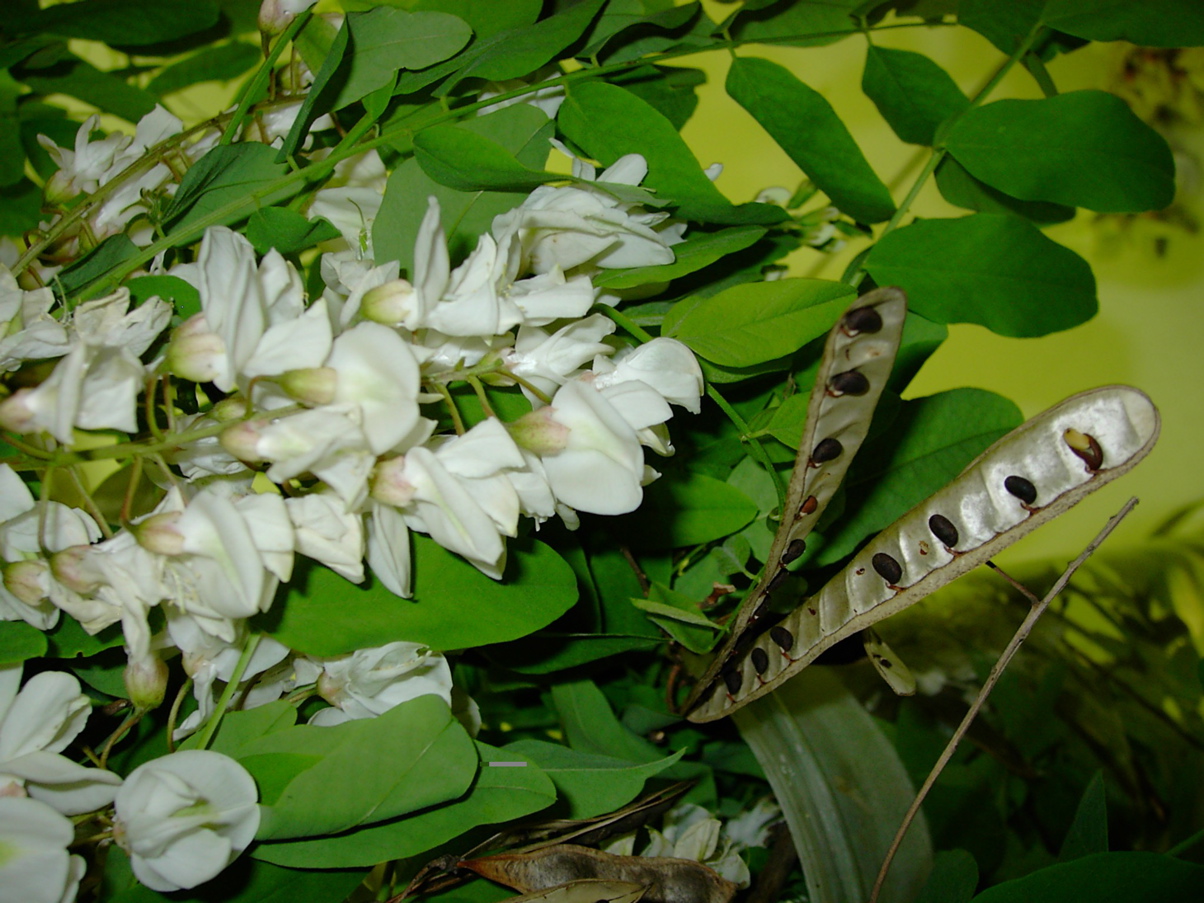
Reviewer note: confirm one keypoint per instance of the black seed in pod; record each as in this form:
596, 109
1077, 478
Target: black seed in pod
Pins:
732, 679
777, 580
942, 528
1021, 488
851, 382
796, 548
861, 319
827, 450
888, 569
1086, 447
783, 637
760, 659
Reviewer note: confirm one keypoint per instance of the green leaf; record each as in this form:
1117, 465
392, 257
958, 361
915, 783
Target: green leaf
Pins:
959, 187
591, 727
20, 641
698, 251
678, 615
1003, 24
243, 881
385, 40
1150, 23
121, 23
1105, 878
521, 129
1082, 148
486, 17
591, 784
609, 122
286, 231
468, 161
12, 153
221, 63
455, 606
685, 509
114, 250
245, 727
807, 23
548, 652
321, 96
183, 296
321, 780
913, 94
954, 878
815, 740
930, 441
670, 90
806, 127
72, 76
69, 639
998, 271
636, 15
1088, 832
757, 322
499, 794
20, 207
226, 174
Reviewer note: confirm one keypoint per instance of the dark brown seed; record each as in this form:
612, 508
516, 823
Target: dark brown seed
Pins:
760, 659
810, 503
888, 569
827, 450
885, 662
783, 637
778, 579
796, 548
732, 678
851, 382
1086, 447
1021, 488
861, 319
942, 528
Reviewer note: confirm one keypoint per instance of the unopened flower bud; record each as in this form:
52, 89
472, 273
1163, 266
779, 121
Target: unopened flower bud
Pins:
27, 580
310, 385
276, 15
74, 569
330, 688
159, 534
146, 682
229, 409
59, 189
389, 485
390, 303
16, 415
539, 433
195, 352
242, 440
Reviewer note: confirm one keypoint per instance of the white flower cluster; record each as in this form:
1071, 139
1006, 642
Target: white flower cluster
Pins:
182, 818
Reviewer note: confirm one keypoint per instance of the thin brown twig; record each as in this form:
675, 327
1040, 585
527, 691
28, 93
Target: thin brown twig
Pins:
1022, 633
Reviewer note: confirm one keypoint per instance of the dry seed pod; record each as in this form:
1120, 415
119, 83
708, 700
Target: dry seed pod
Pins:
989, 506
665, 880
892, 669
587, 891
858, 357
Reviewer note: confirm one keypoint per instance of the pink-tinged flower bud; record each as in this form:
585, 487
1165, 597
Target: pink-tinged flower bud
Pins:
539, 433
73, 568
195, 352
242, 440
389, 485
27, 580
16, 415
146, 682
310, 385
330, 688
159, 534
390, 303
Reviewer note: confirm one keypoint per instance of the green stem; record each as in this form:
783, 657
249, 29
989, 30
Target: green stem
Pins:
223, 703
254, 89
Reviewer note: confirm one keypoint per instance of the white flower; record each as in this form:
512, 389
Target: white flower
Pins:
36, 724
369, 682
667, 365
184, 817
378, 376
600, 468
546, 361
35, 866
27, 331
352, 199
328, 533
